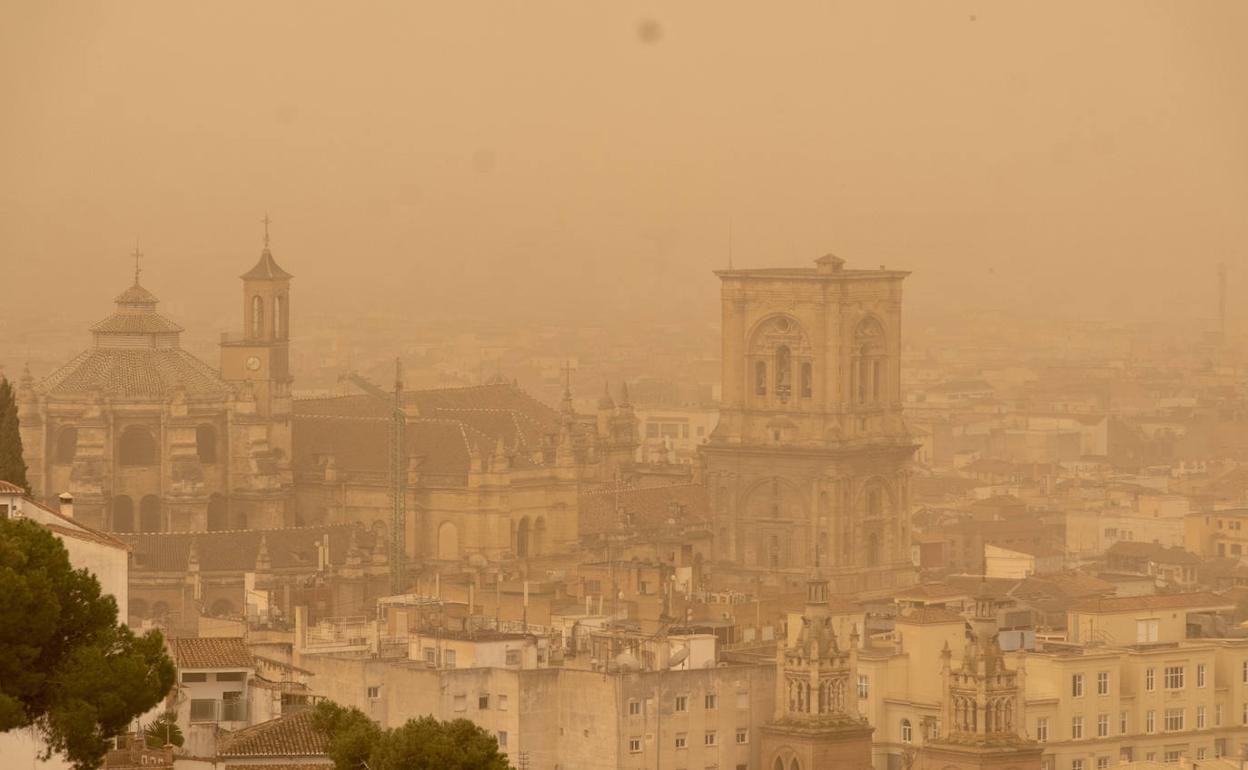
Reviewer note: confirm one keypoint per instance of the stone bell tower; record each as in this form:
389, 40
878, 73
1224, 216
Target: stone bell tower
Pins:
817, 724
808, 469
983, 706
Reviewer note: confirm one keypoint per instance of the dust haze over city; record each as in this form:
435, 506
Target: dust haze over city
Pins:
623, 385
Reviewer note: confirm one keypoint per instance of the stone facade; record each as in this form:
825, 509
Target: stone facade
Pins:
146, 437
808, 468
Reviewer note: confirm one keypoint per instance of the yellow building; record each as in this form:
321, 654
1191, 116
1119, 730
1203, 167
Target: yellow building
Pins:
1217, 533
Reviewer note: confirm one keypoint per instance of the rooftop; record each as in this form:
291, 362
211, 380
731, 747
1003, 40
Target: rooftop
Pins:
211, 652
287, 736
1187, 601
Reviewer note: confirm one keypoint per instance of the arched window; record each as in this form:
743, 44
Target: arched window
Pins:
522, 538
206, 444
907, 733
869, 370
873, 550
149, 514
784, 373
279, 316
66, 445
222, 608
779, 764
448, 541
539, 536
808, 381
218, 513
137, 446
875, 501
257, 316
794, 764
760, 378
123, 514
138, 608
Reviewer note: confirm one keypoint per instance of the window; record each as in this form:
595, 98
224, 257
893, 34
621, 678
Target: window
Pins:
502, 739
1174, 676
1200, 753
203, 710
1200, 674
1076, 685
449, 658
1200, 717
1102, 683
634, 744
760, 378
1243, 717
1076, 728
907, 733
502, 702
233, 707
1243, 672
711, 738
206, 444
1122, 723
231, 676
257, 316
1150, 679
743, 700
513, 658
634, 708
682, 740
1217, 715
1102, 725
431, 656
1150, 726
1042, 729
483, 702
808, 387
461, 702
1076, 764
1146, 631
66, 445
374, 693
682, 703
864, 687
743, 735
783, 373
710, 700
1102, 763
1172, 755
137, 447
194, 677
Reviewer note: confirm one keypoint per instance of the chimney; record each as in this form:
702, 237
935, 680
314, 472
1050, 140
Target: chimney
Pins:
67, 504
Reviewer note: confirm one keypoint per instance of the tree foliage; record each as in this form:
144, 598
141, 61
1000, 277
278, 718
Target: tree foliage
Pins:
12, 464
66, 666
426, 743
163, 730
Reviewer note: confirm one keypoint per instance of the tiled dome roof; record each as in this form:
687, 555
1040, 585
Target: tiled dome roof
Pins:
136, 295
135, 372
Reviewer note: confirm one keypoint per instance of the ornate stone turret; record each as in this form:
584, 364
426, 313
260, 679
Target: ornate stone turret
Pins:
817, 719
981, 716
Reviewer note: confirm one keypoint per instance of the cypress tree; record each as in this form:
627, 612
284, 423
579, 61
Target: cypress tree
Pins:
12, 465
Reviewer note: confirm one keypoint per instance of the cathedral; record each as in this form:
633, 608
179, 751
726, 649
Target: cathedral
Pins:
148, 438
808, 469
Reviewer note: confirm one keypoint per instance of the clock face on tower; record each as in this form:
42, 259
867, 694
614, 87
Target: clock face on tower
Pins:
253, 363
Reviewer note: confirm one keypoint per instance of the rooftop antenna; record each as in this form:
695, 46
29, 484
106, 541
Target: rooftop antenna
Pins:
266, 222
729, 243
137, 255
1222, 303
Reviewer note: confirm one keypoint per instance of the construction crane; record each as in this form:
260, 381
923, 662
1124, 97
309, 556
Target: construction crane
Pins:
398, 472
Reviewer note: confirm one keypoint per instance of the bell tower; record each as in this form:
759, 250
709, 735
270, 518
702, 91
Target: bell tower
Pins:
982, 713
260, 356
817, 722
808, 468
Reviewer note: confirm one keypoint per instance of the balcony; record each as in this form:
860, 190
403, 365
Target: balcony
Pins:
204, 710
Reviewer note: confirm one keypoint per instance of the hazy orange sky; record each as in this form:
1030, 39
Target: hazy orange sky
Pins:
585, 158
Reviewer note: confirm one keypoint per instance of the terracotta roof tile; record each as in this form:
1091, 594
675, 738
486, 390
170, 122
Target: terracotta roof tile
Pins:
930, 616
143, 372
286, 736
1198, 600
236, 550
211, 652
608, 507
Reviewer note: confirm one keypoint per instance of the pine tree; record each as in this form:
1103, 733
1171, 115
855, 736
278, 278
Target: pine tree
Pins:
12, 465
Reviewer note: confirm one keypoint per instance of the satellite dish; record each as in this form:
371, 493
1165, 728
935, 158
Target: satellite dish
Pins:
678, 657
